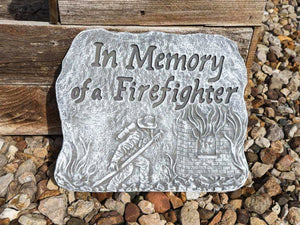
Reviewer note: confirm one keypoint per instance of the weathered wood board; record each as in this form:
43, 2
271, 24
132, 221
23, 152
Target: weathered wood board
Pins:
36, 10
28, 110
157, 12
30, 70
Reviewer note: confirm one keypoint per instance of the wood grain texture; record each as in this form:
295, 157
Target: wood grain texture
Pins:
35, 10
157, 12
252, 49
41, 47
28, 110
53, 11
250, 58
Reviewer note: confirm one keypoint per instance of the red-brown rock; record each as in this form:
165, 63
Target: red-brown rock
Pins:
160, 200
102, 196
110, 218
176, 202
170, 216
268, 156
258, 203
272, 187
242, 216
295, 142
132, 212
284, 164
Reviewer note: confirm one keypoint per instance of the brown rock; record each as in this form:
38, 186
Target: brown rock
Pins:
267, 156
146, 207
170, 216
251, 157
272, 56
102, 196
258, 203
295, 142
247, 191
110, 218
151, 219
13, 190
132, 212
253, 120
224, 198
284, 164
216, 219
236, 194
183, 196
277, 146
236, 203
257, 221
294, 216
175, 201
272, 187
269, 112
242, 216
4, 221
259, 169
257, 132
82, 195
228, 218
75, 221
189, 214
49, 193
270, 217
160, 200
275, 133
257, 103
2, 201
30, 189
205, 214
216, 198
21, 145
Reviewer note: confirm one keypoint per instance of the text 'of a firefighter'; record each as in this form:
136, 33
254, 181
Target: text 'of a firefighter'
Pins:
152, 112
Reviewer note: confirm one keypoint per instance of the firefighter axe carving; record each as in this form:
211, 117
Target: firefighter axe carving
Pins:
130, 159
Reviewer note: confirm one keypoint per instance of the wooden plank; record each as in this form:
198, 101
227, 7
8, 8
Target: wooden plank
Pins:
35, 10
252, 49
53, 11
28, 110
157, 12
250, 58
32, 52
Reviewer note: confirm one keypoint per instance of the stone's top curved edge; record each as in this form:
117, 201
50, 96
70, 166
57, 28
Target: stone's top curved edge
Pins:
155, 32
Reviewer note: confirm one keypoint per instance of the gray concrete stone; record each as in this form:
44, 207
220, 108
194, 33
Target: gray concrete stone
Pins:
140, 111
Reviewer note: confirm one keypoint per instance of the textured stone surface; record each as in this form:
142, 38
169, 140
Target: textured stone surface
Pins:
127, 98
189, 215
115, 205
258, 203
9, 213
112, 217
32, 219
132, 212
159, 200
80, 208
54, 208
151, 219
4, 182
146, 207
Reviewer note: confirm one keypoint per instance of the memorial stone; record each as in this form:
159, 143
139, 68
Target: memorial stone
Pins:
152, 112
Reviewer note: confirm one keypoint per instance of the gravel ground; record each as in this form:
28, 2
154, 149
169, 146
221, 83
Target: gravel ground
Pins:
271, 195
